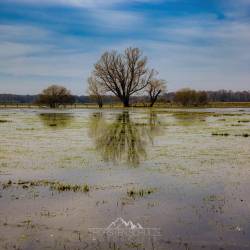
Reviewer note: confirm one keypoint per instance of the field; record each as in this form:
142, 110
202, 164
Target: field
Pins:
185, 172
135, 105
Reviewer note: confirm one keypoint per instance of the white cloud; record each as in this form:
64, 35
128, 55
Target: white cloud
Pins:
114, 20
79, 3
202, 52
235, 9
22, 32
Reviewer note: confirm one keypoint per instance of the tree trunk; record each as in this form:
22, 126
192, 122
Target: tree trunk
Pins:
126, 102
153, 99
99, 101
152, 102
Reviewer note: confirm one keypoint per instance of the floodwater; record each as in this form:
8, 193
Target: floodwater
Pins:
182, 173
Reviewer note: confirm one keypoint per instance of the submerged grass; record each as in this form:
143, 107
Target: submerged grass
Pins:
53, 185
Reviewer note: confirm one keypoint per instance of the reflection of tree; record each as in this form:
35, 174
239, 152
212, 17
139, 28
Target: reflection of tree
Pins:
154, 126
190, 118
57, 120
123, 139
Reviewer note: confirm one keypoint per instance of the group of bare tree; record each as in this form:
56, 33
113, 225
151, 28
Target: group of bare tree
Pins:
115, 74
190, 97
124, 75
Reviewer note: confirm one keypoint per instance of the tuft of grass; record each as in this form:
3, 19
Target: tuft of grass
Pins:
243, 120
140, 192
69, 187
7, 184
243, 135
213, 198
3, 121
86, 188
220, 134
53, 185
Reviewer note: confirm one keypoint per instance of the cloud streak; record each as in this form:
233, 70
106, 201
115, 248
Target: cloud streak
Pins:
78, 3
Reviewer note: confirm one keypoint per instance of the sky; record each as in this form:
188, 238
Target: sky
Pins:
200, 44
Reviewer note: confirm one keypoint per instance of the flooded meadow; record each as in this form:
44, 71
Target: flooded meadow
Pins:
183, 172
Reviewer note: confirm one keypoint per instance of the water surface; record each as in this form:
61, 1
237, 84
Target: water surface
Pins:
201, 181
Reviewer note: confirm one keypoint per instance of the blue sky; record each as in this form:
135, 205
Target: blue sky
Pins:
201, 44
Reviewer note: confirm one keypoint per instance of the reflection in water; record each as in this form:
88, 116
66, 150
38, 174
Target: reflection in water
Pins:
154, 128
56, 120
189, 119
123, 139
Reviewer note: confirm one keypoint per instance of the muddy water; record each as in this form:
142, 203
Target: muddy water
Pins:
194, 163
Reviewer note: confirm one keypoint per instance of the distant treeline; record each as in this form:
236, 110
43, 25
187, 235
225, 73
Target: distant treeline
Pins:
220, 96
228, 96
213, 96
29, 99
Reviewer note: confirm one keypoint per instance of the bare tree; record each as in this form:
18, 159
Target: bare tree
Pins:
154, 89
123, 74
54, 96
96, 91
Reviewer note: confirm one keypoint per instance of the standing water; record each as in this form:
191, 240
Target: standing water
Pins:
181, 174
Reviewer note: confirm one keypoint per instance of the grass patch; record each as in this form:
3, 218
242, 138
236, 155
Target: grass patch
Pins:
7, 184
213, 198
3, 121
243, 120
226, 114
140, 192
243, 135
220, 134
69, 187
53, 185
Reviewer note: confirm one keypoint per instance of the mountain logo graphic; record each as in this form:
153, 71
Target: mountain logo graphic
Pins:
121, 228
120, 223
